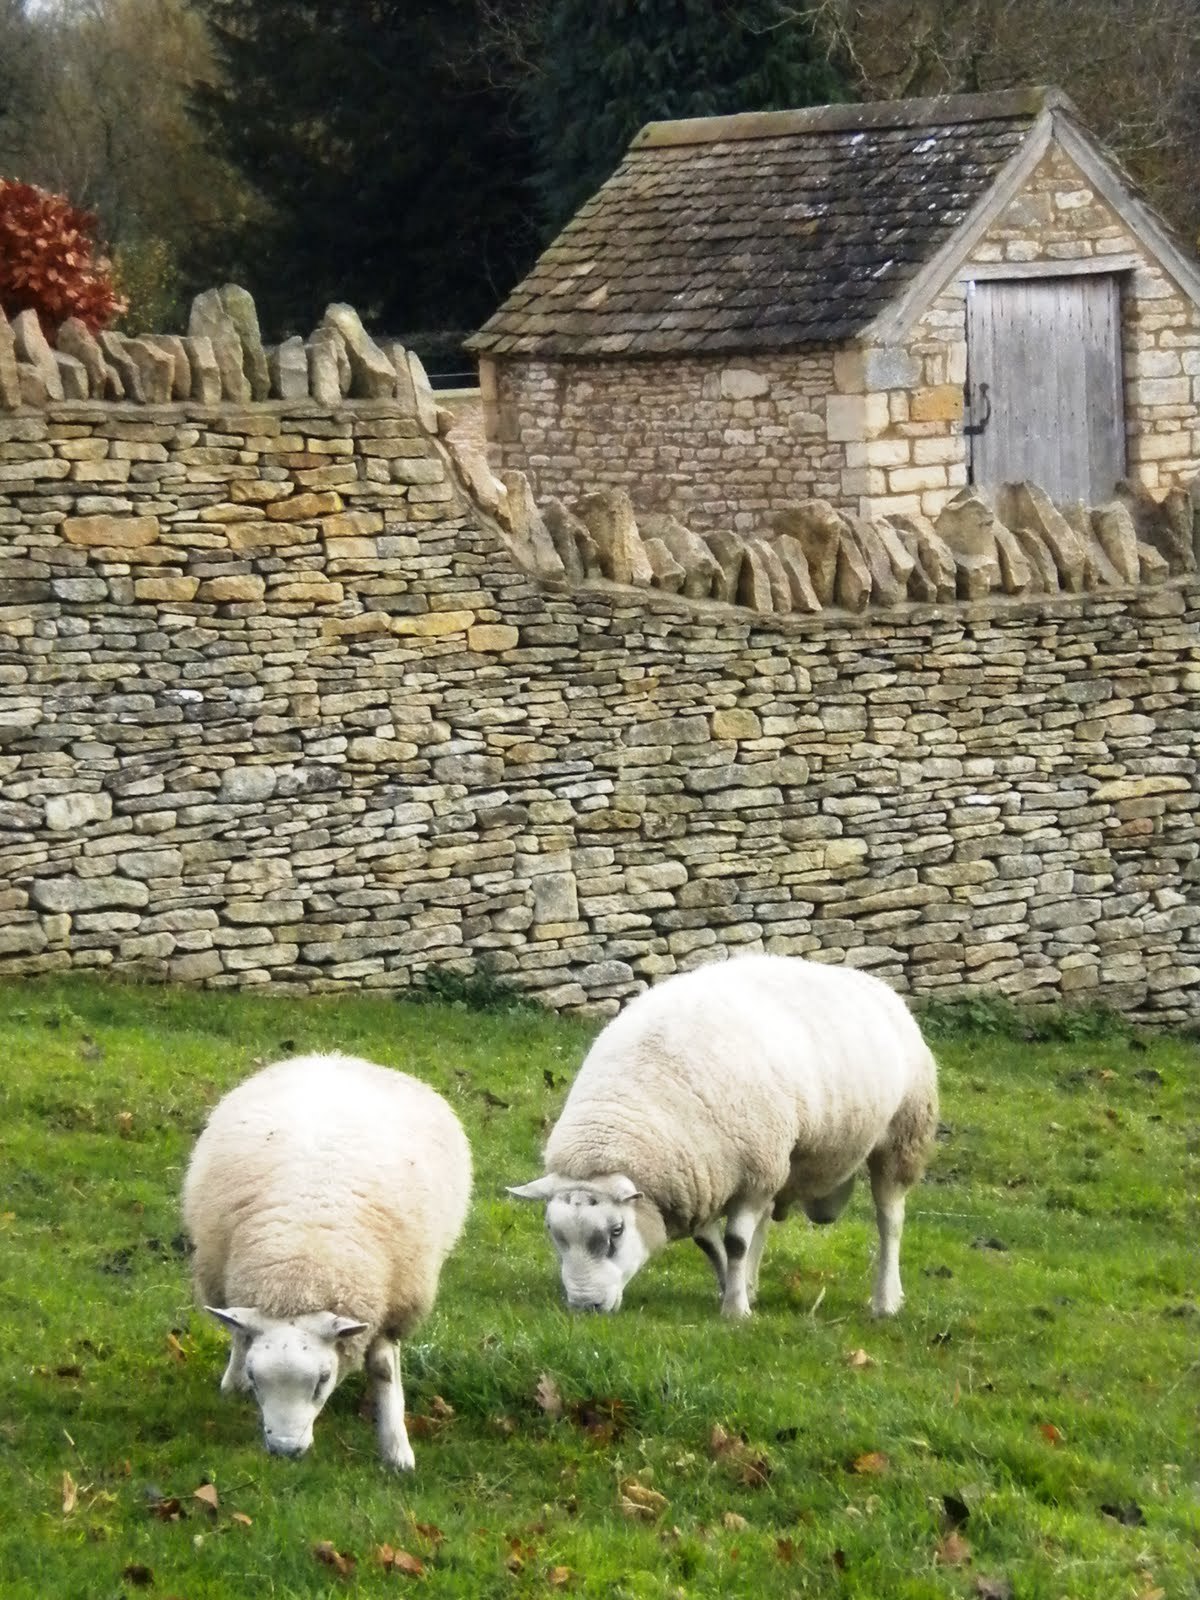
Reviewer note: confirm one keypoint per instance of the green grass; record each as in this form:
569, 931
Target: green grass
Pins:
1078, 1153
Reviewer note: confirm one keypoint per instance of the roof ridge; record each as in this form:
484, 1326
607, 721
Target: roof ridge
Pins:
933, 110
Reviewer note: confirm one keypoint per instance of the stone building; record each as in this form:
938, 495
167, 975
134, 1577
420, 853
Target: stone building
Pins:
871, 304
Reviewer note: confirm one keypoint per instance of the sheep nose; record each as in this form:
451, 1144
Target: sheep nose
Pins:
285, 1447
586, 1305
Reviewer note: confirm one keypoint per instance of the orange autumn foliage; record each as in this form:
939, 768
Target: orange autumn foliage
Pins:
49, 261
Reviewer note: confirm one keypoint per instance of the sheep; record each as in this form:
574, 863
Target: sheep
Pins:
322, 1198
734, 1092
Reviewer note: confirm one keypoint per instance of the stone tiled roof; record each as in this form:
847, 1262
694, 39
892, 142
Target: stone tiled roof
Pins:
761, 232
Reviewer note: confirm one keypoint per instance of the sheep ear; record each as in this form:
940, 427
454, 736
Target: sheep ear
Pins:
238, 1319
622, 1189
329, 1326
540, 1189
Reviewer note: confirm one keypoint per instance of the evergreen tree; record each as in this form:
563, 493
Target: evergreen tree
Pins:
609, 66
391, 168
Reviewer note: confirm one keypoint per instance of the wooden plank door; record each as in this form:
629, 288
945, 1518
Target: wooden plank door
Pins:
1044, 385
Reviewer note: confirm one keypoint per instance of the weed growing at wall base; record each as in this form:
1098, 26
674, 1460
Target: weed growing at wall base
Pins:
1025, 1427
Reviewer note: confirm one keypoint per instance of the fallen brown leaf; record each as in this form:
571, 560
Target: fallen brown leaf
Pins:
174, 1349
141, 1577
871, 1465
70, 1494
1152, 1594
342, 1562
953, 1551
635, 1500
548, 1397
169, 1509
785, 1549
559, 1577
734, 1521
242, 1520
125, 1123
1050, 1433
441, 1409
747, 1465
859, 1358
207, 1496
393, 1560
430, 1532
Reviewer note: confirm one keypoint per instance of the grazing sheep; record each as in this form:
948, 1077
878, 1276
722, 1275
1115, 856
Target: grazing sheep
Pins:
736, 1091
322, 1198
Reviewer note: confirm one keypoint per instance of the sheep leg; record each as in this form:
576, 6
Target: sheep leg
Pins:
888, 1296
709, 1239
754, 1259
383, 1366
741, 1224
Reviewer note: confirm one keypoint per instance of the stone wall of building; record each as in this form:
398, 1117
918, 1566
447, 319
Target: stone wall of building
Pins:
725, 442
720, 442
276, 707
903, 412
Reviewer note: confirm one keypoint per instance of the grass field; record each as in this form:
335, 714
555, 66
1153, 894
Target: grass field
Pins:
1026, 1427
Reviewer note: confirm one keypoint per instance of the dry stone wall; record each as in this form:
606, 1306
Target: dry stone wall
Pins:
278, 707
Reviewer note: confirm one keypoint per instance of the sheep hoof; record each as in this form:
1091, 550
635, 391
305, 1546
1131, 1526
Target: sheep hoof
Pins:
886, 1305
735, 1310
399, 1456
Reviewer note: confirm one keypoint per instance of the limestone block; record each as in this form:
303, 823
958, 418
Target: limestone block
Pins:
303, 507
33, 386
667, 572
87, 894
325, 355
206, 374
287, 367
729, 553
568, 535
481, 483
72, 375
114, 386
795, 564
781, 589
177, 587
155, 368
1027, 505
817, 528
492, 636
75, 339
1165, 524
66, 812
406, 395
209, 319
372, 375
886, 588
238, 305
967, 525
120, 533
942, 403
426, 405
1041, 562
432, 624
123, 363
688, 549
32, 347
10, 378
852, 584
1017, 575
529, 538
1114, 531
181, 367
246, 586
248, 783
754, 581
1152, 564
608, 516
743, 383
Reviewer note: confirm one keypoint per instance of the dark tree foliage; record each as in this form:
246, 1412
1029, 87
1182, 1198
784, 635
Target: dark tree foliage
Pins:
608, 66
392, 168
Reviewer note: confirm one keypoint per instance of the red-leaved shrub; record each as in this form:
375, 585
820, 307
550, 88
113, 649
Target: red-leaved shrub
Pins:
48, 260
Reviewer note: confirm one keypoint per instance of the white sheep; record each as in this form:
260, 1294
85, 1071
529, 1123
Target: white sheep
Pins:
735, 1091
322, 1198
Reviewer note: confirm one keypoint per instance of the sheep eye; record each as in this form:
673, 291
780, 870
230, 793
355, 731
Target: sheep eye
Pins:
618, 1228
